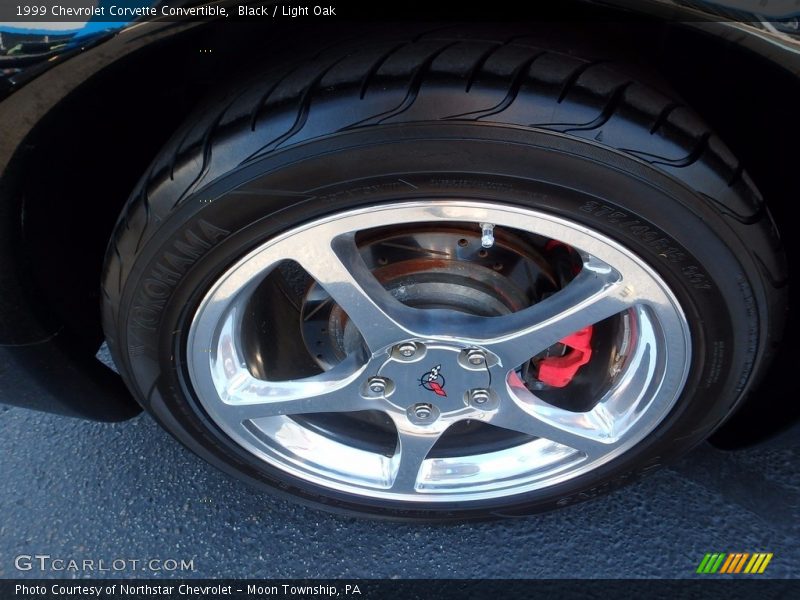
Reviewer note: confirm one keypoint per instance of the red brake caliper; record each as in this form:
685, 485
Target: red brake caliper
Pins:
558, 371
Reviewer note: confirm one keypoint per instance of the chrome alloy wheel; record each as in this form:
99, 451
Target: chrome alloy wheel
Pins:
421, 367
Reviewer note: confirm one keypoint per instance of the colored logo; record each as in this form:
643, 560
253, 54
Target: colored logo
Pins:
741, 562
433, 381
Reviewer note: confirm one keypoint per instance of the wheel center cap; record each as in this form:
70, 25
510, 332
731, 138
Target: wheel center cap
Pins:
432, 379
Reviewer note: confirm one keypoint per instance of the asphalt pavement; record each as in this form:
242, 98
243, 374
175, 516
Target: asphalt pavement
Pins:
79, 490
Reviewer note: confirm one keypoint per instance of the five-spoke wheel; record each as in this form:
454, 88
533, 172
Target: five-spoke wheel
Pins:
426, 365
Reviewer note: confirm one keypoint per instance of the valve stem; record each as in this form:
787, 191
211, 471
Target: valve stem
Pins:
487, 235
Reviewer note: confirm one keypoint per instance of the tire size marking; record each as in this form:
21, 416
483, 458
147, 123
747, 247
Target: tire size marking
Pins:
157, 287
654, 239
715, 363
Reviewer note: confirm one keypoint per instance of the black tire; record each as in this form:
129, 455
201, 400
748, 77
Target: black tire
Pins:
498, 119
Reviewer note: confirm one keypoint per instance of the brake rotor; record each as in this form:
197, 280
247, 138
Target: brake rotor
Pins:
445, 268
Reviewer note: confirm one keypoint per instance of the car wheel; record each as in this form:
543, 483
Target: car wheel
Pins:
443, 279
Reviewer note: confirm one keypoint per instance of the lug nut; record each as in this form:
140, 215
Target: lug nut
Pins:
479, 397
422, 414
423, 411
377, 385
407, 350
476, 357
